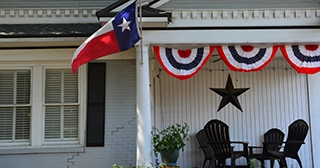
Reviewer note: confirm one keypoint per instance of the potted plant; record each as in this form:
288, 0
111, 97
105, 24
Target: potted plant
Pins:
169, 141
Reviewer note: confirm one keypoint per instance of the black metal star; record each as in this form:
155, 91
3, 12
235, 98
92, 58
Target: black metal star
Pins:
229, 94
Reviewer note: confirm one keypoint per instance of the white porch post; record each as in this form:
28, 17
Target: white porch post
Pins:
144, 145
314, 92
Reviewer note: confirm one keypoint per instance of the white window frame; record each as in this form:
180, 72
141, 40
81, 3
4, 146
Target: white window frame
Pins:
44, 104
17, 143
37, 143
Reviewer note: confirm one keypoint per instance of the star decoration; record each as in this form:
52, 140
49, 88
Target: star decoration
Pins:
124, 24
229, 94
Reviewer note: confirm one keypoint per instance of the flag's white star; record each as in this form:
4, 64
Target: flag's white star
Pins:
124, 24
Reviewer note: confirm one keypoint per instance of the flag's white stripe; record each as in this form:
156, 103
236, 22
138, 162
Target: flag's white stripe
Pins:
104, 29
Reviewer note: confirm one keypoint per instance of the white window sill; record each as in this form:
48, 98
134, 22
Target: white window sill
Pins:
41, 150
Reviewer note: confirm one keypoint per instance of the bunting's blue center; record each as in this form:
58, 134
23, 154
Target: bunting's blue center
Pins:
178, 65
304, 58
251, 60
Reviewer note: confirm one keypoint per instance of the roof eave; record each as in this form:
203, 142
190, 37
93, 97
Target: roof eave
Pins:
151, 17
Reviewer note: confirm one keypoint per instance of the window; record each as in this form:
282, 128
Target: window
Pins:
61, 105
40, 107
14, 105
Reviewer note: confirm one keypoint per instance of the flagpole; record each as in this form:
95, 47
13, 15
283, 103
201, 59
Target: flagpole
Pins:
140, 27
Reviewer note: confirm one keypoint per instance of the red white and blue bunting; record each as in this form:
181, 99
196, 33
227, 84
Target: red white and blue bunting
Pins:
303, 58
183, 64
246, 58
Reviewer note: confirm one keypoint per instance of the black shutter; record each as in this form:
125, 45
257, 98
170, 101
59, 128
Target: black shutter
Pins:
96, 104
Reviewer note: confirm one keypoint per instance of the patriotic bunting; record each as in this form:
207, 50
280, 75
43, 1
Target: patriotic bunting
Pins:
246, 58
303, 58
182, 64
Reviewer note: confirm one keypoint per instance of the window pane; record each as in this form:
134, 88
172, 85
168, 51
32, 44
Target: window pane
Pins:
23, 87
61, 119
6, 123
53, 86
15, 90
6, 87
52, 122
15, 82
70, 87
22, 122
70, 122
55, 129
61, 82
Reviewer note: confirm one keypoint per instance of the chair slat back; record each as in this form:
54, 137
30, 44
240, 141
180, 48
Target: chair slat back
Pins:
218, 133
203, 142
297, 133
275, 136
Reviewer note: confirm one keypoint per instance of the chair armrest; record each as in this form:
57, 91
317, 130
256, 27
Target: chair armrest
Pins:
218, 142
294, 142
240, 142
212, 144
245, 145
224, 142
253, 147
276, 153
270, 143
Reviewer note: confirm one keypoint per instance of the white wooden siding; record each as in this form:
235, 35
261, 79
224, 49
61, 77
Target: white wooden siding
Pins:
277, 96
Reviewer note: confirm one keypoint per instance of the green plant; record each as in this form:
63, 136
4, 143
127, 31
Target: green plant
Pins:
172, 138
163, 164
252, 163
115, 166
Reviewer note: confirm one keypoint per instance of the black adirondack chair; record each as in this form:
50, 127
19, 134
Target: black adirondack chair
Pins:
218, 135
207, 151
297, 133
273, 140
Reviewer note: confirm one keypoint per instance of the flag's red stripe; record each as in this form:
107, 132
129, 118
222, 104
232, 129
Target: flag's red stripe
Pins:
104, 44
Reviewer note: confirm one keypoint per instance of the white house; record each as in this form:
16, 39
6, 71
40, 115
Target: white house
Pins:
103, 114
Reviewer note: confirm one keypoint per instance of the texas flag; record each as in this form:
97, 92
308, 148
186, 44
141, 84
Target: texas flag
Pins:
119, 34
